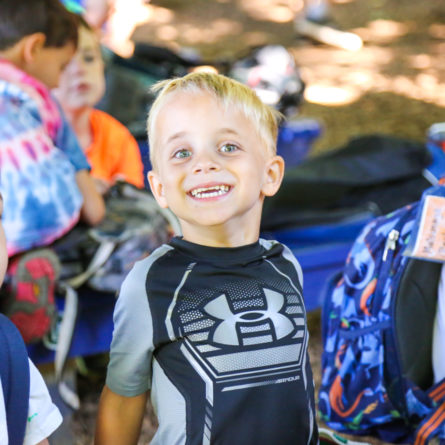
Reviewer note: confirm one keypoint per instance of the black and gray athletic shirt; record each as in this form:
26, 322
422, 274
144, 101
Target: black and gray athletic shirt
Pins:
219, 335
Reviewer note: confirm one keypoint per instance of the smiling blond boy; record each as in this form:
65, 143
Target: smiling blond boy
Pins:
212, 325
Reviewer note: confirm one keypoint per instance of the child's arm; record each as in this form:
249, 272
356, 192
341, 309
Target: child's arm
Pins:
119, 418
93, 208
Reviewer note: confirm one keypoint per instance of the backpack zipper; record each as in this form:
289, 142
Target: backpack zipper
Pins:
391, 242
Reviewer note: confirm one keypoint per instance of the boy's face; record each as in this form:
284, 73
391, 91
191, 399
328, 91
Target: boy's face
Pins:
3, 251
212, 169
82, 84
48, 64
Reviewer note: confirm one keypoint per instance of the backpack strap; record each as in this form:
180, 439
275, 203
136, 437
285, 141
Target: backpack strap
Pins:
60, 341
14, 373
64, 341
435, 421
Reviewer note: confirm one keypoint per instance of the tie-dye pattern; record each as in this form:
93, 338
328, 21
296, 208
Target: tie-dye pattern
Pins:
37, 180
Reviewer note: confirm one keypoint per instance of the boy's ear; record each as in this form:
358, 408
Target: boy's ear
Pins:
32, 46
157, 188
274, 176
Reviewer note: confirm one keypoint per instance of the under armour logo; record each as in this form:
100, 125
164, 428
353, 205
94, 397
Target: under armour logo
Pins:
226, 332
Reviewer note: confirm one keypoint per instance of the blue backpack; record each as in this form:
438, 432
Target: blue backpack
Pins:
14, 375
377, 323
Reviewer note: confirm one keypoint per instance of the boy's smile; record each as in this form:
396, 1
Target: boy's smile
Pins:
210, 191
212, 169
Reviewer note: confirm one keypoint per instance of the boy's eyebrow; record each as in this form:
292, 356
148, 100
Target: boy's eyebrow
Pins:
180, 134
229, 131
174, 136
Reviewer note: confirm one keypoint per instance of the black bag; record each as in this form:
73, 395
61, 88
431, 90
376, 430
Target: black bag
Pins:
377, 172
100, 257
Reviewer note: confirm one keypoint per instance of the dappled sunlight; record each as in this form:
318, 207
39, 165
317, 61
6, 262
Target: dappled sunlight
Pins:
320, 64
167, 33
209, 32
351, 85
420, 61
270, 10
335, 77
423, 87
383, 31
437, 31
127, 14
158, 15
330, 95
225, 28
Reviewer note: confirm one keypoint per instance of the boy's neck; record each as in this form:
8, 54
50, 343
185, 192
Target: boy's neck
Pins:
219, 237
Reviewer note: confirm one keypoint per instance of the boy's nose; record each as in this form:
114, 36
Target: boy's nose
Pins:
205, 164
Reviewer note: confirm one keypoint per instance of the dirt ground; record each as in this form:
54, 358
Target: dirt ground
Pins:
395, 84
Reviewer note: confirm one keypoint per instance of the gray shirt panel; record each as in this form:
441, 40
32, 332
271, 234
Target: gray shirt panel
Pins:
170, 408
287, 254
129, 369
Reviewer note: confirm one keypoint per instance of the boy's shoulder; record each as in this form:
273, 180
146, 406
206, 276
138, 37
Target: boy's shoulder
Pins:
172, 255
143, 266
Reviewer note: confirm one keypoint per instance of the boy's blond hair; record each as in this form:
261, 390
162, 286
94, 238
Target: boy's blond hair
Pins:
229, 93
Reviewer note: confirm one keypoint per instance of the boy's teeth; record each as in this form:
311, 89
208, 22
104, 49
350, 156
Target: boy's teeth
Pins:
210, 192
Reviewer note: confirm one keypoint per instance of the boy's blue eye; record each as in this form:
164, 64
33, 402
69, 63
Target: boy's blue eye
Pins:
228, 148
182, 154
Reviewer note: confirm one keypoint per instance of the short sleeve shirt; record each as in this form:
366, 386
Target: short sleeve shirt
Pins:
43, 416
220, 337
38, 177
114, 153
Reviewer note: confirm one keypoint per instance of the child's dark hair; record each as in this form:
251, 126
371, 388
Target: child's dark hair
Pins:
20, 18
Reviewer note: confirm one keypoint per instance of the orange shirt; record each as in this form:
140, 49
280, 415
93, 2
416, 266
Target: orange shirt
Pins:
114, 152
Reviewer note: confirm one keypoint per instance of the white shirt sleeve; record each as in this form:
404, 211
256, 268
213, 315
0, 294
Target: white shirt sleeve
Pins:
43, 416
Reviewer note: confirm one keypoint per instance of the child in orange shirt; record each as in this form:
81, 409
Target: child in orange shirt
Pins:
110, 148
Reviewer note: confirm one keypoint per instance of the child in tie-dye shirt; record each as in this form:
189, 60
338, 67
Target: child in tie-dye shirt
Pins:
44, 175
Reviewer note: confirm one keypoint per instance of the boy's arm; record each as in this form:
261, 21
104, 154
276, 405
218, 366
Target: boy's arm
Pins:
119, 418
93, 208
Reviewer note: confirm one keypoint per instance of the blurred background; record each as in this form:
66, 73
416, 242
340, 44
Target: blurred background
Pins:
394, 84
